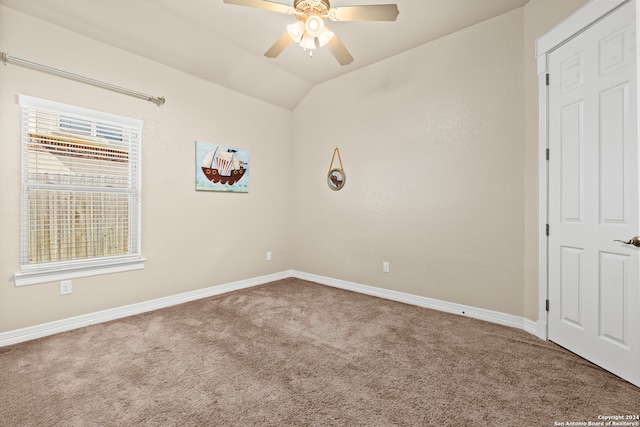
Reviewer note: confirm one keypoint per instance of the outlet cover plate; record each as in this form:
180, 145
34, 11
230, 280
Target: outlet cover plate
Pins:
65, 287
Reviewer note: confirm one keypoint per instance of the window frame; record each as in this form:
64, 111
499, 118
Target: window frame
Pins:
33, 273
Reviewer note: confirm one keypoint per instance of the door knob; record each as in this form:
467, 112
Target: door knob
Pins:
635, 241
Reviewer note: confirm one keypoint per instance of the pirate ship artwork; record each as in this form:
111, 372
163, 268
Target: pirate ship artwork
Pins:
220, 168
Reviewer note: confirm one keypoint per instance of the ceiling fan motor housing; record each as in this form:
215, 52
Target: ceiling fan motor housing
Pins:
306, 7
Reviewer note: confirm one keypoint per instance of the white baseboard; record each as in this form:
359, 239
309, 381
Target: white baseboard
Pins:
539, 330
33, 332
527, 325
51, 328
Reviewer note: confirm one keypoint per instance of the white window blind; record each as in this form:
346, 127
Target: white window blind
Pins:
81, 190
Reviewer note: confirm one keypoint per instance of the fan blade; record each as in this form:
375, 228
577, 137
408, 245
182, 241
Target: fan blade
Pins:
372, 12
279, 46
339, 51
267, 5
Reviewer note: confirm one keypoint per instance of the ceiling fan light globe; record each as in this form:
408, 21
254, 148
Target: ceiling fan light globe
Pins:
325, 37
296, 31
308, 42
314, 25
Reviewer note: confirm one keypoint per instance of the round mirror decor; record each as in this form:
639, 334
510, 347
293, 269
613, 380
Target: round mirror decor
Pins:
336, 177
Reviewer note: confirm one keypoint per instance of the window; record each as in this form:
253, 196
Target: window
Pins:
81, 192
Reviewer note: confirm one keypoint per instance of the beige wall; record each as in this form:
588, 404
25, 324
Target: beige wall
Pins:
432, 142
439, 146
191, 240
440, 151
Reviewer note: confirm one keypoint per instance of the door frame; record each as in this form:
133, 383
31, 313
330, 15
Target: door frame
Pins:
566, 30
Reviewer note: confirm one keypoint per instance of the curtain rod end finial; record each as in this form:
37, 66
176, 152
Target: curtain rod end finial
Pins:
158, 101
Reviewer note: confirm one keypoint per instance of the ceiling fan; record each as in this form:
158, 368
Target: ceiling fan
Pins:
310, 26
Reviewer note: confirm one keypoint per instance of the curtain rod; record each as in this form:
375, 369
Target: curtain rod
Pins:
11, 59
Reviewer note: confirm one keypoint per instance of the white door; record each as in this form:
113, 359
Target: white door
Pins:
594, 296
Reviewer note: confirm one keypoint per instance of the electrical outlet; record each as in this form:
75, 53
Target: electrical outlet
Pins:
269, 256
65, 287
385, 267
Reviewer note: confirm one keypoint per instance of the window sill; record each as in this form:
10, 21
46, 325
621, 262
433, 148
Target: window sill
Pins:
72, 272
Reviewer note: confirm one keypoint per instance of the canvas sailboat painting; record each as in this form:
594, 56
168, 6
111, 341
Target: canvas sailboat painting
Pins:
221, 168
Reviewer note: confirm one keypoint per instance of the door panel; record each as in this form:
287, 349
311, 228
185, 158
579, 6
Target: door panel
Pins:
613, 104
571, 286
594, 282
572, 162
613, 275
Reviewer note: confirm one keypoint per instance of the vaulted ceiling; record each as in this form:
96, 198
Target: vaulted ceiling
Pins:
225, 43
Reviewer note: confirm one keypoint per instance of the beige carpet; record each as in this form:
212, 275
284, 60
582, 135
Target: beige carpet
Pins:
302, 354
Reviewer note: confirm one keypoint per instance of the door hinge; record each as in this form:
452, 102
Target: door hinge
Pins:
547, 154
547, 305
547, 79
547, 229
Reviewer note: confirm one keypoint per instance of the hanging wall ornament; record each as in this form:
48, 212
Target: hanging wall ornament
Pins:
336, 177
